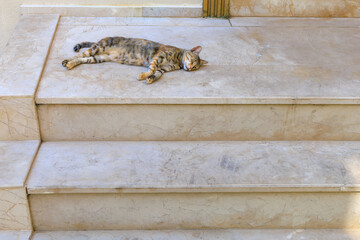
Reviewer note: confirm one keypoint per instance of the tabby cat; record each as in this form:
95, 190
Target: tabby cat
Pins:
133, 51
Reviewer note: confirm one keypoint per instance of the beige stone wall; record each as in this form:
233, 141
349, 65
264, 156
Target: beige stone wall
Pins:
295, 8
10, 10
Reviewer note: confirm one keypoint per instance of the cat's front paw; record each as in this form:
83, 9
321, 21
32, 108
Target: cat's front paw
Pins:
68, 64
151, 79
64, 62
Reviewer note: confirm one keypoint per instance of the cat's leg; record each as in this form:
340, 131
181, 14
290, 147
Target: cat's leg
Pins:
155, 76
160, 72
88, 53
81, 45
153, 67
164, 68
92, 59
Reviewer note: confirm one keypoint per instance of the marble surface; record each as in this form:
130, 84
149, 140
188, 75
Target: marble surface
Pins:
14, 209
22, 60
194, 211
21, 65
195, 167
230, 234
118, 2
117, 10
83, 11
286, 65
16, 158
145, 21
18, 119
164, 122
15, 235
295, 8
171, 11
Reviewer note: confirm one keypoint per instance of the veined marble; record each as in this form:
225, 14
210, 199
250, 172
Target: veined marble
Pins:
170, 11
230, 234
18, 119
70, 167
22, 60
117, 10
194, 211
21, 64
83, 11
16, 158
303, 64
144, 21
295, 8
15, 235
120, 2
163, 122
14, 209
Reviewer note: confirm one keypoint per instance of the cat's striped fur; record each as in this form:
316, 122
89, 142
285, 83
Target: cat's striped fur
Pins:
158, 57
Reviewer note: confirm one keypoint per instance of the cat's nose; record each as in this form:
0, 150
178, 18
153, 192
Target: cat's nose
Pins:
190, 67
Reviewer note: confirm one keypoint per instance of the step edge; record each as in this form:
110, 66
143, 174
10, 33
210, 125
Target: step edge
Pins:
230, 188
147, 101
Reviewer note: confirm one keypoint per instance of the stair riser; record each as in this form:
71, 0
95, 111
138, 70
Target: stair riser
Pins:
14, 209
213, 234
195, 211
199, 122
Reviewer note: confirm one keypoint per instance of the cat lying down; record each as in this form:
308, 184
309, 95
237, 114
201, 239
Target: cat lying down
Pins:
158, 57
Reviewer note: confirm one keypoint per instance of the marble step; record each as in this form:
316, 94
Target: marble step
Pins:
15, 235
277, 234
16, 158
272, 79
21, 66
195, 185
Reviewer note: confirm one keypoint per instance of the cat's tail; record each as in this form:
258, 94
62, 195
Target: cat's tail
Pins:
79, 46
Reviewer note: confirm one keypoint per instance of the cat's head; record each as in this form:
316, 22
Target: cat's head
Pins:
191, 59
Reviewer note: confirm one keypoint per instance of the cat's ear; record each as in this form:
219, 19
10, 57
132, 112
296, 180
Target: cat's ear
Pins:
202, 62
196, 50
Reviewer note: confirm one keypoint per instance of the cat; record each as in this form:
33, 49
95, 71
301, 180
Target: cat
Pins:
158, 57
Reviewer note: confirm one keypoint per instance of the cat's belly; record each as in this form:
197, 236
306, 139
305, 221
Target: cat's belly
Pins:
125, 57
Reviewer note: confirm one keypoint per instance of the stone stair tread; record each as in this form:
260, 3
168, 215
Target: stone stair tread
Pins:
249, 63
15, 235
269, 234
100, 167
16, 158
22, 60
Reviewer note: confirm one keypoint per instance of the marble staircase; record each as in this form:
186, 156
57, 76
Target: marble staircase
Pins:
262, 142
